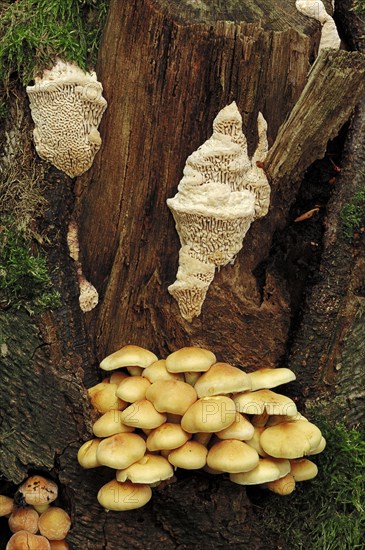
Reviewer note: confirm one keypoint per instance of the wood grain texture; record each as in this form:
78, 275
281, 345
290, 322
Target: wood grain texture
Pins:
165, 80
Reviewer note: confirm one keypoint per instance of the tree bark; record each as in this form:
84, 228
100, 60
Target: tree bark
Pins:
167, 69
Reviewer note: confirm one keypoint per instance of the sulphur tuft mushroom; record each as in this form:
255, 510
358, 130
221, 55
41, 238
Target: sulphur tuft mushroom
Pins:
121, 496
27, 541
24, 519
54, 523
36, 491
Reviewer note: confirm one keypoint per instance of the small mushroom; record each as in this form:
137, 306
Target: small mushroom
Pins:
28, 541
142, 414
192, 361
150, 469
270, 378
36, 491
158, 371
232, 456
257, 402
110, 423
303, 469
86, 455
167, 436
209, 414
290, 439
59, 545
103, 397
54, 523
119, 496
120, 450
240, 429
171, 396
282, 486
221, 379
128, 356
6, 505
133, 388
267, 469
190, 456
24, 519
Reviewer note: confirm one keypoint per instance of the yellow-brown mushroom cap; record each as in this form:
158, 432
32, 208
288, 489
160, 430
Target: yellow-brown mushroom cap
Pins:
142, 414
222, 379
27, 541
171, 396
54, 523
86, 455
37, 490
6, 505
270, 378
303, 469
128, 356
158, 371
133, 388
110, 423
257, 402
103, 397
167, 436
282, 486
232, 456
240, 429
190, 359
290, 439
267, 469
190, 456
209, 414
23, 519
149, 469
119, 496
120, 450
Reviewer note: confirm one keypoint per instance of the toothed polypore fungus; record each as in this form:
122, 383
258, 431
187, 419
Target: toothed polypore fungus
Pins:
54, 523
119, 496
37, 490
128, 356
67, 105
221, 193
316, 9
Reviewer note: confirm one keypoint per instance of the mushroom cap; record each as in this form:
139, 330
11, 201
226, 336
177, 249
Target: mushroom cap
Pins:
209, 414
270, 378
28, 541
128, 356
86, 455
303, 469
23, 519
54, 523
321, 446
290, 439
110, 424
256, 402
167, 436
267, 469
103, 397
119, 496
232, 456
158, 371
220, 379
6, 505
254, 442
142, 414
190, 359
190, 456
120, 450
282, 486
240, 429
133, 388
38, 490
59, 545
171, 396
149, 469
117, 376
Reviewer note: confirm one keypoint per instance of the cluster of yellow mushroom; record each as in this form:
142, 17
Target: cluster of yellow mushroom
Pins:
35, 524
190, 411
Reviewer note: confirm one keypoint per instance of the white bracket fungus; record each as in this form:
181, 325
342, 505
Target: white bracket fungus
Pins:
316, 9
67, 105
221, 193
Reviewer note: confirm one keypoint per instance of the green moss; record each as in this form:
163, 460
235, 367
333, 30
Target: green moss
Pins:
34, 32
353, 214
359, 7
24, 277
328, 512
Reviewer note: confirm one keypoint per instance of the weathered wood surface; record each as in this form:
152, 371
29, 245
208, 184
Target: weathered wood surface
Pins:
328, 353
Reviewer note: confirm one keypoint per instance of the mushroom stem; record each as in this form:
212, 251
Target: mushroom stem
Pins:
192, 377
203, 438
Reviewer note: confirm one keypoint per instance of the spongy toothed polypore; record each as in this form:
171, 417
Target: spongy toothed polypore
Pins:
222, 420
221, 193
